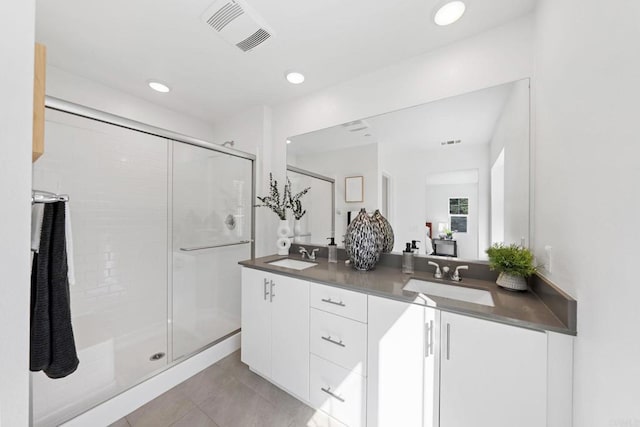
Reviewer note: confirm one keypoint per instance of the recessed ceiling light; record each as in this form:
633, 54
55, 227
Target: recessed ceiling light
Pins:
449, 13
288, 141
158, 87
294, 77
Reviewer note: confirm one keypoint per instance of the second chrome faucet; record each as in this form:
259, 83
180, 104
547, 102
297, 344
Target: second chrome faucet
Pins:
455, 276
311, 256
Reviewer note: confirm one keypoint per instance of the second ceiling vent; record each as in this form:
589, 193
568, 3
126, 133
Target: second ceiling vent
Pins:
237, 23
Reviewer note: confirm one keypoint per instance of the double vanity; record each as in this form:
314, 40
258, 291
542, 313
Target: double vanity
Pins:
382, 348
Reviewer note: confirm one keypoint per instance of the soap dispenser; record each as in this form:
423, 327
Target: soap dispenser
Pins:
332, 249
414, 246
407, 260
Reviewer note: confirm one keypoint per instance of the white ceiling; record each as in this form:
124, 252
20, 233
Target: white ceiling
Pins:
470, 118
123, 43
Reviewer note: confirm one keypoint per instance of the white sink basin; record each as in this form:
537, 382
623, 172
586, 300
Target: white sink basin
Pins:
293, 264
474, 296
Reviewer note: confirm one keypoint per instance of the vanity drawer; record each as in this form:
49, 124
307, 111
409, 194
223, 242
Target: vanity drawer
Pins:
339, 301
338, 339
338, 392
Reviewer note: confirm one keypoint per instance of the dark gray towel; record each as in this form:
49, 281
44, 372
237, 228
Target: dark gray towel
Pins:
53, 348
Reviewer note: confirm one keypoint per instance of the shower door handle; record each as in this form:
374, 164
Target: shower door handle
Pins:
221, 245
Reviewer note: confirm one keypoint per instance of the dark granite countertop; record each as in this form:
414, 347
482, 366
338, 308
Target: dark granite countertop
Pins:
523, 309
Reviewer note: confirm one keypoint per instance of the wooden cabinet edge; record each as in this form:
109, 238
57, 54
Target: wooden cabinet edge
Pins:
39, 87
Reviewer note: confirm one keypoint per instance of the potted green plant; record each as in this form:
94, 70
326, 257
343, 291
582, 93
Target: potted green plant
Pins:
514, 263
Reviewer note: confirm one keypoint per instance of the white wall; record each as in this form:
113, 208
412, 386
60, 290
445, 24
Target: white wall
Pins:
512, 134
244, 129
410, 171
339, 164
74, 88
586, 89
436, 207
16, 109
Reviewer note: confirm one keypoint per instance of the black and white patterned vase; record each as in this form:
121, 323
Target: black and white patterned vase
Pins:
363, 241
388, 238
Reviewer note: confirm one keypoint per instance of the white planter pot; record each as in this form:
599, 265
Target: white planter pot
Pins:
283, 243
514, 283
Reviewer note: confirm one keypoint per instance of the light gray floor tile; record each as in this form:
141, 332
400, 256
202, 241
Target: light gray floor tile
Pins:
162, 411
264, 388
309, 417
206, 384
122, 422
242, 406
195, 418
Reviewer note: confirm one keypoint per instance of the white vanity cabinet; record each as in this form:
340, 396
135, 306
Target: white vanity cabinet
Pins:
373, 361
338, 347
491, 374
275, 329
431, 368
403, 364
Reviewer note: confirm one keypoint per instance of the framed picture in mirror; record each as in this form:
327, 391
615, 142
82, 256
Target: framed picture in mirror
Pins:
354, 189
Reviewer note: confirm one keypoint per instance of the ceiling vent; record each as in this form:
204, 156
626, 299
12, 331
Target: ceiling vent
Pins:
356, 126
237, 23
451, 142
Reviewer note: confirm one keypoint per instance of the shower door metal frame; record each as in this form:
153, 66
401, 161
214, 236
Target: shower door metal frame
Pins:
171, 137
333, 191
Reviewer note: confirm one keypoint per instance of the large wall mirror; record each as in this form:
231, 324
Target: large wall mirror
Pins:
459, 165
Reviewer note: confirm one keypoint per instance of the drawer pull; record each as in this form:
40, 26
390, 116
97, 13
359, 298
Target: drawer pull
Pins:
332, 394
266, 292
333, 341
330, 301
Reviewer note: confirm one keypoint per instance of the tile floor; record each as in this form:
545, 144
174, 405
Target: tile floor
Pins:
227, 394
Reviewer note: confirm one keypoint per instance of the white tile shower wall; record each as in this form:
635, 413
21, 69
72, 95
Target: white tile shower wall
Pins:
117, 183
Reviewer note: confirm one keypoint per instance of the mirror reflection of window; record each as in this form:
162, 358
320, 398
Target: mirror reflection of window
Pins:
458, 214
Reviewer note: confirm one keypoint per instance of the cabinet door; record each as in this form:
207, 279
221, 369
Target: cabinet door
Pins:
396, 355
492, 375
256, 320
290, 334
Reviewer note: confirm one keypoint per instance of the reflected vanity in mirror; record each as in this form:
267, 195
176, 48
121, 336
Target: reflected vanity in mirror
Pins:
459, 164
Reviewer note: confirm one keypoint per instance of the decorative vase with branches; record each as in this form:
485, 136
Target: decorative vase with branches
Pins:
279, 202
273, 201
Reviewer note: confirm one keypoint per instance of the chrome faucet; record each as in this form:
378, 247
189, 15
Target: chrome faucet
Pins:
456, 274
438, 273
311, 256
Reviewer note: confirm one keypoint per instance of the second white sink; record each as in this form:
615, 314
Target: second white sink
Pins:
292, 263
474, 296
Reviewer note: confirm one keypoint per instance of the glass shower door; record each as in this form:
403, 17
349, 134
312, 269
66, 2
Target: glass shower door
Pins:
211, 233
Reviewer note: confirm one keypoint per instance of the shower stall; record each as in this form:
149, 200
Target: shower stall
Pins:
159, 224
